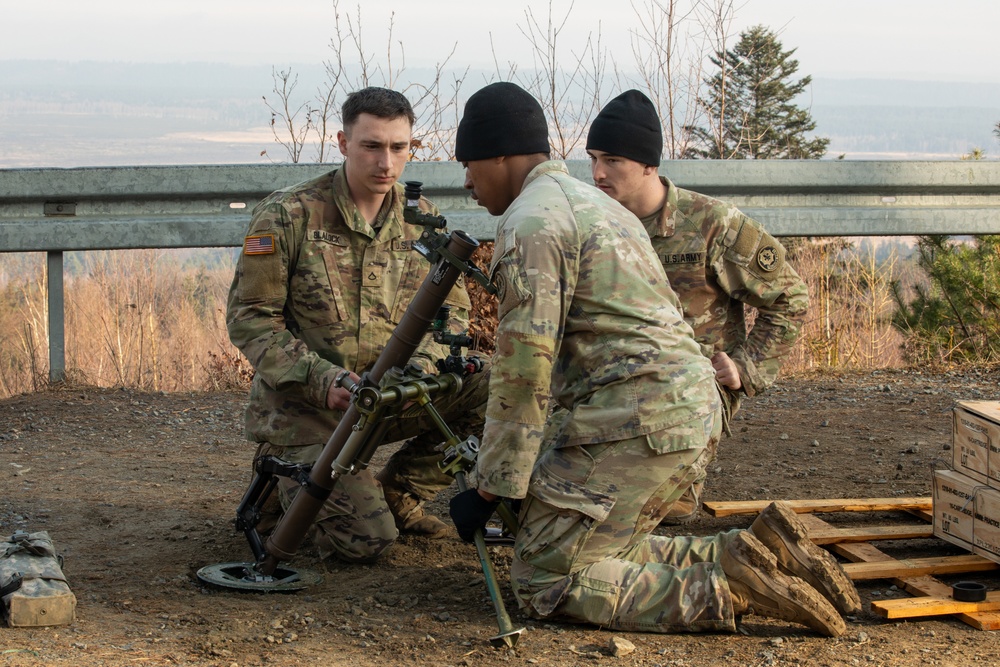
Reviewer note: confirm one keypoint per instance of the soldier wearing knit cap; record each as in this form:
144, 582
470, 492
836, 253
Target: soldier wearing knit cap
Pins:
587, 322
717, 259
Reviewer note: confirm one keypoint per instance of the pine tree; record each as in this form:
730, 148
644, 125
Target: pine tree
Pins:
956, 317
749, 104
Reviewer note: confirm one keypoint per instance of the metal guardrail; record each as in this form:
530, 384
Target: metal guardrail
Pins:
209, 206
100, 208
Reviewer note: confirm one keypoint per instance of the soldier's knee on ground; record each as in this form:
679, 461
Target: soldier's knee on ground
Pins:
334, 540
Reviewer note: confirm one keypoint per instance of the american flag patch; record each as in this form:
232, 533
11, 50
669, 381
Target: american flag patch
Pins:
258, 245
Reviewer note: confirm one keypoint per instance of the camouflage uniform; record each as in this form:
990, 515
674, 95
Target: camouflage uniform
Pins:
588, 320
717, 260
318, 290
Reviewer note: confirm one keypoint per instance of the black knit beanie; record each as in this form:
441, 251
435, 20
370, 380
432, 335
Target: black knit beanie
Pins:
628, 127
501, 119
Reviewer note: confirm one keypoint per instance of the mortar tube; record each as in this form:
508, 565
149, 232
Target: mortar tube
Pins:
293, 526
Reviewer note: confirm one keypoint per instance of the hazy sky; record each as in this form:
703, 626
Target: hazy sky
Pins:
954, 40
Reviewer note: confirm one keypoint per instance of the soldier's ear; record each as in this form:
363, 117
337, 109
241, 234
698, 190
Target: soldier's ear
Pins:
342, 142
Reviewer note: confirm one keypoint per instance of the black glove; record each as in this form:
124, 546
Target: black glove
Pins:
470, 511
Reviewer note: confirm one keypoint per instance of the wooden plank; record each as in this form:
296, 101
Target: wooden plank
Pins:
821, 532
920, 585
860, 552
730, 508
833, 535
925, 514
910, 567
911, 575
933, 606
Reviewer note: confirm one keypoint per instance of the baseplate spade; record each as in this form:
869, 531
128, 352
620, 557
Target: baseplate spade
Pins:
243, 577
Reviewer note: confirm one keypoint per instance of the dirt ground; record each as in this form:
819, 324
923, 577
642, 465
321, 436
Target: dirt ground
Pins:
139, 492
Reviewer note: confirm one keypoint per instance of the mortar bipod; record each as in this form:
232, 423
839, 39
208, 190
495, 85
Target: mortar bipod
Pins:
378, 407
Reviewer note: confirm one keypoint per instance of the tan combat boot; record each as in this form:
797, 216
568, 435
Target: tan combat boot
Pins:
758, 587
686, 508
408, 511
783, 533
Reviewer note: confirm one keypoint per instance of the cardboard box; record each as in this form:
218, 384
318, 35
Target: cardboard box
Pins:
954, 507
976, 440
986, 529
967, 513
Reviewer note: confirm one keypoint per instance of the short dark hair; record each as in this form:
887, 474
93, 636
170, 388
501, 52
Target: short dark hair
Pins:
380, 102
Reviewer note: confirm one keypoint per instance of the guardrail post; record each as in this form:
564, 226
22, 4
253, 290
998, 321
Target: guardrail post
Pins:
57, 318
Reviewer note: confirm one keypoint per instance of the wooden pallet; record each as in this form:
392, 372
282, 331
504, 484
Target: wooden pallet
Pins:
867, 562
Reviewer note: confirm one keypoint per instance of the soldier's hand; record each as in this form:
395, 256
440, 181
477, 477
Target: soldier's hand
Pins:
338, 398
727, 373
470, 511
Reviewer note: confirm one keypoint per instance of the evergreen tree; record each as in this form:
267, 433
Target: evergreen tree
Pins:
957, 316
749, 105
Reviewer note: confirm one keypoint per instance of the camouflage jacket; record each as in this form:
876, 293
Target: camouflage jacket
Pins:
717, 260
317, 290
588, 320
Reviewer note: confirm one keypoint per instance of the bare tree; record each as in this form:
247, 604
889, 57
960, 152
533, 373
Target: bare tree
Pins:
353, 66
870, 297
669, 62
570, 96
716, 18
291, 122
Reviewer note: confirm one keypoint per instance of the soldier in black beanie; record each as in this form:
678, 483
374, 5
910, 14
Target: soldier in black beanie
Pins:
629, 127
710, 252
502, 136
586, 321
501, 119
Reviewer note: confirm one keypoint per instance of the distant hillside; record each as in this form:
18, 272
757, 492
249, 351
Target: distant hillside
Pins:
899, 119
57, 114
900, 132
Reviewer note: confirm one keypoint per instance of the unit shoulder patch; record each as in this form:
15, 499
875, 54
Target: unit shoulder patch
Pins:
768, 258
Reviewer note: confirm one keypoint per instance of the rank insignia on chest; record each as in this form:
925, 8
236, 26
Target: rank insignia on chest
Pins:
258, 245
372, 276
767, 258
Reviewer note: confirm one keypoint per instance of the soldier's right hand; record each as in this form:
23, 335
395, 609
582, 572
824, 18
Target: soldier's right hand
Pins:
470, 511
727, 373
338, 398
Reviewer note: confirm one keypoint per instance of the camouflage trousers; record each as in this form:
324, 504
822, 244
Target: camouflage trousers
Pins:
690, 501
354, 523
414, 467
584, 550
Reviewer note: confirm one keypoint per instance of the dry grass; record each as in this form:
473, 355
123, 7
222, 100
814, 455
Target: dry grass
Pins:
133, 319
850, 308
145, 319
